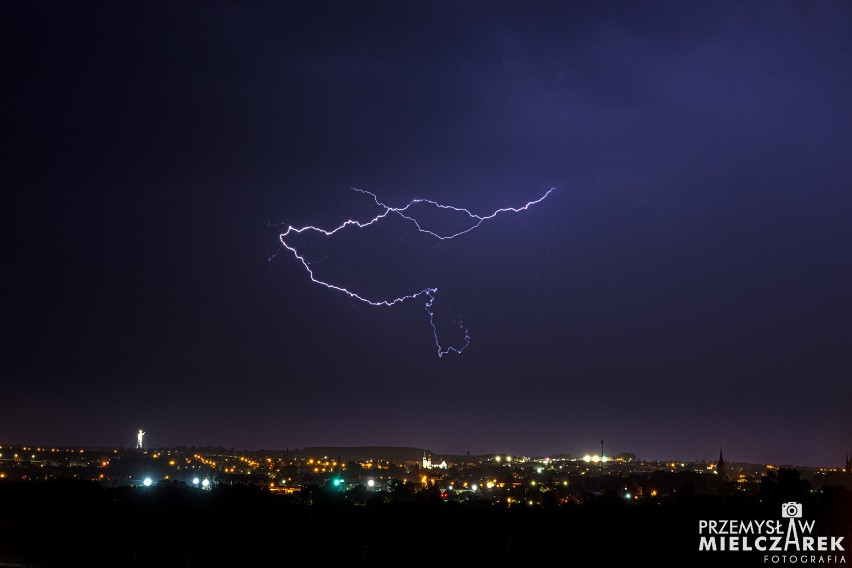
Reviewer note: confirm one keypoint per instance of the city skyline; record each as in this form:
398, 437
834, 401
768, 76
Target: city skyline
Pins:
385, 451
326, 465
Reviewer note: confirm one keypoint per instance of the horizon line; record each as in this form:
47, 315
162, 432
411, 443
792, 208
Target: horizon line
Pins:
40, 447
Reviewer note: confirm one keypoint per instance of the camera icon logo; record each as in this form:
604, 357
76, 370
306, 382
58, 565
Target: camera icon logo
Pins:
791, 510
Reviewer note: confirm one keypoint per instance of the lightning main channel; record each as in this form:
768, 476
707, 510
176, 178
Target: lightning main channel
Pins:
403, 212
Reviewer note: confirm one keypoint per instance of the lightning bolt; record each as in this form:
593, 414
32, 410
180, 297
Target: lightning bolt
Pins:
403, 212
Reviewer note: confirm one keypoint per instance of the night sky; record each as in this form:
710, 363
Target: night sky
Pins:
687, 285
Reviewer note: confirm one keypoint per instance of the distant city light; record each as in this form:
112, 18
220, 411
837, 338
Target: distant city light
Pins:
525, 481
508, 458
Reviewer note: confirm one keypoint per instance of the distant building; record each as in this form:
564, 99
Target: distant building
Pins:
427, 463
721, 468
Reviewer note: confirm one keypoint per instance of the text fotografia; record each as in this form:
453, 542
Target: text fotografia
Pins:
791, 536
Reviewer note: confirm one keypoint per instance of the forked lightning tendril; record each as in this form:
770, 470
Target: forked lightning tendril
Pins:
402, 212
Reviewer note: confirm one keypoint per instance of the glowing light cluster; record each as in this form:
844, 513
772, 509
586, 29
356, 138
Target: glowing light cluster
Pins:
404, 213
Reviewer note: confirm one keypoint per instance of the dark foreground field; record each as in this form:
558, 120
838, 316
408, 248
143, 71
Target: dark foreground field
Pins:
72, 523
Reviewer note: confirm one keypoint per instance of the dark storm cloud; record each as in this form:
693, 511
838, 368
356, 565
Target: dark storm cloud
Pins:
687, 285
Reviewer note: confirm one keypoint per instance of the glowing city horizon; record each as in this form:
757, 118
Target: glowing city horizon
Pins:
403, 213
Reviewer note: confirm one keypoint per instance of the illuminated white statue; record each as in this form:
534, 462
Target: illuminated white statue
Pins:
139, 439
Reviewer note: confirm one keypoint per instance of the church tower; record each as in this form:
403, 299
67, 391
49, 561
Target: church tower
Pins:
721, 468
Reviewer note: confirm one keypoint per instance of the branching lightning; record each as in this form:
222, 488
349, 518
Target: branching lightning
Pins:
403, 212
